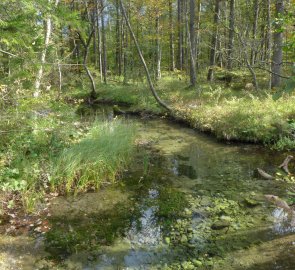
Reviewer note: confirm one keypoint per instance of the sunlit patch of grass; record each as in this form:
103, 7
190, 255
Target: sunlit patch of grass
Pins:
229, 112
97, 158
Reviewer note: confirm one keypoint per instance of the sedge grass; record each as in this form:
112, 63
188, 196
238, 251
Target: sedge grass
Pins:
98, 158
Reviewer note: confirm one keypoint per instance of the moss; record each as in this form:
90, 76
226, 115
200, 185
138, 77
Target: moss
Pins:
171, 203
89, 232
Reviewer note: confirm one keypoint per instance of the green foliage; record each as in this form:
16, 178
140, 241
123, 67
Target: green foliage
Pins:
97, 158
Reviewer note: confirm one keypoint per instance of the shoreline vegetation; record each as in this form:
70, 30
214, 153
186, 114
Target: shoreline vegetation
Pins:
228, 113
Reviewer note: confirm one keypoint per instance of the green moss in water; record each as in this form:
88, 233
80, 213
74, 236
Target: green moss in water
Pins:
72, 234
171, 203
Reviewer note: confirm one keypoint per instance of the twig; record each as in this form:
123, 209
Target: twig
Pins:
284, 165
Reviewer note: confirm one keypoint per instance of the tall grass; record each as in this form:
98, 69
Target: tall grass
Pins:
97, 158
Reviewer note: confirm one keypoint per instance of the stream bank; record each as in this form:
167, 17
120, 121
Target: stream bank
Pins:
186, 202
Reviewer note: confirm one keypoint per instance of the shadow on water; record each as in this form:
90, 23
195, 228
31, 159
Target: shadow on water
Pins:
188, 185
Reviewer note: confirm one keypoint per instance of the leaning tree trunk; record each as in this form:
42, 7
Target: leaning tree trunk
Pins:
86, 52
158, 99
277, 57
214, 40
48, 27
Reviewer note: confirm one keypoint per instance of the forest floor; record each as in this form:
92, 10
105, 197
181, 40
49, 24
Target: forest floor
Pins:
227, 111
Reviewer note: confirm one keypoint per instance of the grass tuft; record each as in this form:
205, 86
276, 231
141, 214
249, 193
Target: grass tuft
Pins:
99, 157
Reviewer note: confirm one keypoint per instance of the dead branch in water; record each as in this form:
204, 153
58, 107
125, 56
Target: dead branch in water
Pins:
265, 175
278, 202
284, 165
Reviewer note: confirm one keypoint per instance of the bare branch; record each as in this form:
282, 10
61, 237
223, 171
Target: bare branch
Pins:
8, 53
284, 165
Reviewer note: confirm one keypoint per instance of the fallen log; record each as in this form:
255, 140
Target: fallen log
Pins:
265, 175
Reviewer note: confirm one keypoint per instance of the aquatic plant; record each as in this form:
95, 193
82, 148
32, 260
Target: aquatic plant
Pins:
96, 159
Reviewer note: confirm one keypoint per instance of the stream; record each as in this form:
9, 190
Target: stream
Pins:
186, 202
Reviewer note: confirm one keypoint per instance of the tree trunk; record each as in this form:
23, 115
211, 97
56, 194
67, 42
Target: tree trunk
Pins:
277, 57
192, 43
214, 40
171, 37
118, 41
254, 32
180, 34
158, 49
48, 27
104, 50
164, 105
231, 34
198, 50
86, 52
268, 40
246, 57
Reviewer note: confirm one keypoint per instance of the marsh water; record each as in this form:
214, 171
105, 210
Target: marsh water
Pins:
186, 202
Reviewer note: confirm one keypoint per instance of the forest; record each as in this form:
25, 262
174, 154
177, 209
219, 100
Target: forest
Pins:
147, 134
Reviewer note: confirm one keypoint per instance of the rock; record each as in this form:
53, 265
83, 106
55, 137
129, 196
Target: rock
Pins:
220, 224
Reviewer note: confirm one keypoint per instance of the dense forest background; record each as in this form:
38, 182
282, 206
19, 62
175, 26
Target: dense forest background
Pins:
218, 65
49, 43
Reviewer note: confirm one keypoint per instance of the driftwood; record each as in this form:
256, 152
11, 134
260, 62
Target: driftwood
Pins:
284, 165
279, 203
275, 199
265, 175
282, 204
117, 110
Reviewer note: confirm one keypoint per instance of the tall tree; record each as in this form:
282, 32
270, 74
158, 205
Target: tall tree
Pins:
214, 39
158, 48
48, 32
231, 34
171, 37
192, 43
104, 45
254, 32
180, 33
277, 57
152, 88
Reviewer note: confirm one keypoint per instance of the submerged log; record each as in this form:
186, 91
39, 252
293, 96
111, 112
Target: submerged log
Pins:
284, 165
117, 110
265, 175
279, 203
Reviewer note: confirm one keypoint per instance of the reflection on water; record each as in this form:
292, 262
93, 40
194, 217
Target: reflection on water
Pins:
283, 222
201, 168
146, 230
